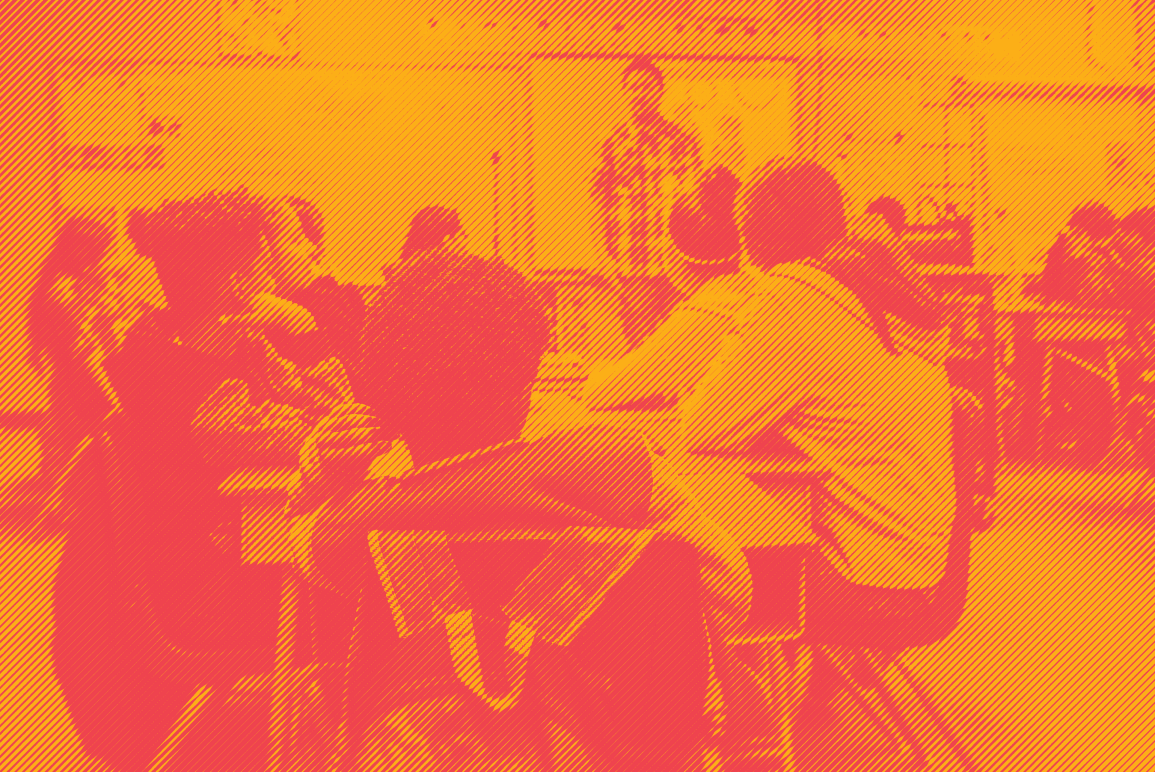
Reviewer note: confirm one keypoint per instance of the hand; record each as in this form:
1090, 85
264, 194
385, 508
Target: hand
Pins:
343, 443
267, 311
348, 434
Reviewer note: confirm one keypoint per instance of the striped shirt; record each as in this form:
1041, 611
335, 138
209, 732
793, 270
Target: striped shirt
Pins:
643, 169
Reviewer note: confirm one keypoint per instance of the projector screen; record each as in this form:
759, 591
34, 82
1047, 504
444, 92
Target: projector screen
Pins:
741, 114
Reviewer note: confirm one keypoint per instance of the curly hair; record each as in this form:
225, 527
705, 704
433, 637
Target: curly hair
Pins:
452, 349
197, 244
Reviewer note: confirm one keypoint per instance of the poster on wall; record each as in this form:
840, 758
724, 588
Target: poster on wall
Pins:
737, 114
368, 147
259, 28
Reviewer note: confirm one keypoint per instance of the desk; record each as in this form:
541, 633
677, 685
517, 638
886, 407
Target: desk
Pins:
1037, 328
764, 502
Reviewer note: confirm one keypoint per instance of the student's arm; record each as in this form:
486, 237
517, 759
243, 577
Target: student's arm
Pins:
231, 431
753, 382
667, 365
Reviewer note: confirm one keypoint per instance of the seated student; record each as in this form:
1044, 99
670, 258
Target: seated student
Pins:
261, 414
432, 229
714, 286
452, 356
65, 330
296, 238
1077, 265
818, 365
209, 256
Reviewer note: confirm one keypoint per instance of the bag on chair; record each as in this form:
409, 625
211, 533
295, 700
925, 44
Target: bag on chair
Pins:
461, 691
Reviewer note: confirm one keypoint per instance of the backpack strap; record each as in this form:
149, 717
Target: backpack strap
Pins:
424, 590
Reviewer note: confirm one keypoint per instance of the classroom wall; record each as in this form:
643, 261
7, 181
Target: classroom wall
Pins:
44, 44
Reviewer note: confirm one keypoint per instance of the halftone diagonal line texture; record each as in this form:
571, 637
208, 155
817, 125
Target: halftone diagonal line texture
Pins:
763, 474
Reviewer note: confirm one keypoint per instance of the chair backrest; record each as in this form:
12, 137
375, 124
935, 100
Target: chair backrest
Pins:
143, 631
121, 711
950, 595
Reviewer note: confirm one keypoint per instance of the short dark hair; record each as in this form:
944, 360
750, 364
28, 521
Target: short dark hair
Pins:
453, 346
645, 65
312, 221
1095, 219
891, 211
429, 228
197, 244
791, 210
706, 233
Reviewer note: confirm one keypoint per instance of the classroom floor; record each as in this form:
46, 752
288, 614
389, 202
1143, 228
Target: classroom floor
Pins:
1052, 667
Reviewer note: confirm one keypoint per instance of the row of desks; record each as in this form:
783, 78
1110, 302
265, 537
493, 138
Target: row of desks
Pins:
762, 501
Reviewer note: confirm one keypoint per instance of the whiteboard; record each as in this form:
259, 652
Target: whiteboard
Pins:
368, 147
741, 113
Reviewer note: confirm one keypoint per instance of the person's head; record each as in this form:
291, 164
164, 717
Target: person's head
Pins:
645, 87
703, 229
295, 254
434, 229
790, 210
452, 350
70, 276
209, 252
890, 210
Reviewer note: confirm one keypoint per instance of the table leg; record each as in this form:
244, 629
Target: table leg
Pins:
281, 700
1030, 359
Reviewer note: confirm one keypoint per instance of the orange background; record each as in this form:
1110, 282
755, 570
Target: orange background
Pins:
1056, 674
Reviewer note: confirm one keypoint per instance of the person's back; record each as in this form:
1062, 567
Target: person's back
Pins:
817, 364
879, 421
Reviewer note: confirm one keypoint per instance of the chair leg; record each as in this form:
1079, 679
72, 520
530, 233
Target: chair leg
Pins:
197, 705
281, 701
920, 694
785, 680
887, 699
857, 694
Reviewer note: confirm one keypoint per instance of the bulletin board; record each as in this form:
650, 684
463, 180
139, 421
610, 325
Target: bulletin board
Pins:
369, 147
741, 113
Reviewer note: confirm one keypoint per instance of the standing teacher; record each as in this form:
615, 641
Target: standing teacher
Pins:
646, 163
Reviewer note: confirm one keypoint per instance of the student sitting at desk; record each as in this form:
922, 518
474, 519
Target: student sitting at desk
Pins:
210, 257
714, 286
295, 234
261, 414
819, 365
453, 350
